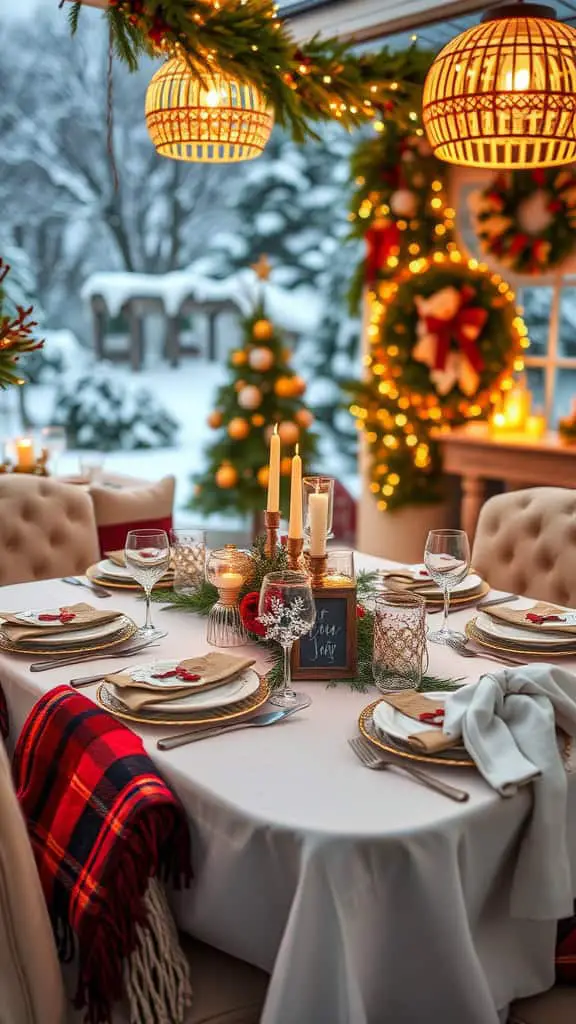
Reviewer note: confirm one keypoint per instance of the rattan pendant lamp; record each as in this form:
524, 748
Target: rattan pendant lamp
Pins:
503, 94
217, 120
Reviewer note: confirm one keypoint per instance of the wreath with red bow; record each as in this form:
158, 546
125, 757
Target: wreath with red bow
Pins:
527, 219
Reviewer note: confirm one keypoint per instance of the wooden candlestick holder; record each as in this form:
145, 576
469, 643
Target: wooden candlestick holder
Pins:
317, 568
271, 525
294, 546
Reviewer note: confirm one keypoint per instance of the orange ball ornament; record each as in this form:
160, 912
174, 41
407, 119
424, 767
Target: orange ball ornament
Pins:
298, 386
283, 387
258, 420
262, 476
239, 385
261, 359
304, 418
289, 432
285, 467
226, 477
215, 420
238, 428
249, 397
238, 357
263, 330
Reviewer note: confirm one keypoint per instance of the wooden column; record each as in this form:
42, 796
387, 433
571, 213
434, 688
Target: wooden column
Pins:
172, 340
99, 327
212, 341
136, 336
473, 493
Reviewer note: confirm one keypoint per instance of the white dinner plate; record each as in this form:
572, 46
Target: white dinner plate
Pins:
108, 569
493, 629
245, 684
394, 723
420, 573
82, 636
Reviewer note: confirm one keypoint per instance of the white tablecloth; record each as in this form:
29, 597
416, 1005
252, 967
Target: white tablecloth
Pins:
368, 897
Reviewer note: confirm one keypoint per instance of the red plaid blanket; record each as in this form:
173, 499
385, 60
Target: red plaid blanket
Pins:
102, 823
3, 715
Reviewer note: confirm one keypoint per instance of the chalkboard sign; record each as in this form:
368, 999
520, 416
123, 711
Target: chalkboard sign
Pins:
329, 651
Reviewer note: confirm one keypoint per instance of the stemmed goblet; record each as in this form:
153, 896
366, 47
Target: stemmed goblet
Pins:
447, 558
287, 611
147, 554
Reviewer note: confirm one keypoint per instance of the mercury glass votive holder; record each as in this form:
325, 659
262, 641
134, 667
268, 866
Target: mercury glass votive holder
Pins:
400, 655
339, 567
188, 559
228, 569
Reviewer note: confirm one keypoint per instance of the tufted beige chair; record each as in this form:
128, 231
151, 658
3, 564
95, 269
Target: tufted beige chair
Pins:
31, 988
47, 529
526, 543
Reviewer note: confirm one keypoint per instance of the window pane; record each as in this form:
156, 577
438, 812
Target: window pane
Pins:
537, 303
535, 379
567, 338
565, 393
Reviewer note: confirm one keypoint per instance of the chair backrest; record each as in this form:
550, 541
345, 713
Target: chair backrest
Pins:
144, 507
526, 543
47, 529
31, 987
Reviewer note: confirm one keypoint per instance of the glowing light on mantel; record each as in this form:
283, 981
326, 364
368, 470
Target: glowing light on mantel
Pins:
503, 93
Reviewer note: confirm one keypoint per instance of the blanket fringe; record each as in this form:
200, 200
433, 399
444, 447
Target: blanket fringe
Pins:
156, 975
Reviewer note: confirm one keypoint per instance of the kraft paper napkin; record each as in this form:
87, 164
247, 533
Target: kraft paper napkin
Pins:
517, 617
86, 615
214, 669
413, 705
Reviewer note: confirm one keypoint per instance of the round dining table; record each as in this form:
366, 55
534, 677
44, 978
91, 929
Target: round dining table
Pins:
369, 898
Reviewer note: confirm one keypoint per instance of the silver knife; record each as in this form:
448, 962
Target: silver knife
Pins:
503, 599
118, 652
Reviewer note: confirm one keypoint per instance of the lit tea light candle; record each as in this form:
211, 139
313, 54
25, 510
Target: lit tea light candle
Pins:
535, 426
273, 504
230, 581
318, 512
25, 453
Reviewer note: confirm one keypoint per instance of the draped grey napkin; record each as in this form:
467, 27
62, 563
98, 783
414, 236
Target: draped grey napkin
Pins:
508, 724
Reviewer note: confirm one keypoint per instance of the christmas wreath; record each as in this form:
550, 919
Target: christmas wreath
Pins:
445, 336
527, 219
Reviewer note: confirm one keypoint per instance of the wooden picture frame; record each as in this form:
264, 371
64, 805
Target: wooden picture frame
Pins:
330, 650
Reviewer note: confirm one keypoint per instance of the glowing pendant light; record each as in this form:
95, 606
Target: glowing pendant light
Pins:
220, 120
503, 94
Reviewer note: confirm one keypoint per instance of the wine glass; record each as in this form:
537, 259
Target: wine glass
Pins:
287, 611
53, 439
447, 558
147, 554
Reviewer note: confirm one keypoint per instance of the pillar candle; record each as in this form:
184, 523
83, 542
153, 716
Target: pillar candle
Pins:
295, 531
318, 512
25, 453
273, 504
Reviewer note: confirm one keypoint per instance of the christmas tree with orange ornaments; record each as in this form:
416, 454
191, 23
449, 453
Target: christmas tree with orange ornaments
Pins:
263, 391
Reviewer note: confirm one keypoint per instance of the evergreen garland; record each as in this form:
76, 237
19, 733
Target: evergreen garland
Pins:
323, 79
15, 336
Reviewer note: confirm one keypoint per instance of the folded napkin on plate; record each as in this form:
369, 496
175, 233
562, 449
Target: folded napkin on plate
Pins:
417, 706
212, 670
508, 723
84, 615
119, 558
541, 617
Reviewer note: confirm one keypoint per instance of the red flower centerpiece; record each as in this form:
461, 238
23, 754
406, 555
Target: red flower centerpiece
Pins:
249, 613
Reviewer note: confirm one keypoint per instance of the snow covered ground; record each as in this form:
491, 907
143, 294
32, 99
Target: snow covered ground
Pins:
188, 393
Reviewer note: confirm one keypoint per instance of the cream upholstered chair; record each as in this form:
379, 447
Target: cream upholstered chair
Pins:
143, 507
526, 543
31, 989
558, 1006
47, 529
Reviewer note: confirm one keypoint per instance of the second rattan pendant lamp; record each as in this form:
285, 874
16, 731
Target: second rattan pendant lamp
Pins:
503, 94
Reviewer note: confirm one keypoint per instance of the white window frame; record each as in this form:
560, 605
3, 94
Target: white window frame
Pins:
552, 361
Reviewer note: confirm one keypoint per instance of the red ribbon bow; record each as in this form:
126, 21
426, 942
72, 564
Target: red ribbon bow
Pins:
435, 717
63, 617
379, 243
539, 619
464, 328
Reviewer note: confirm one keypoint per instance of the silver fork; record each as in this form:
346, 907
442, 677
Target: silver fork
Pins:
80, 681
461, 648
78, 659
370, 758
94, 587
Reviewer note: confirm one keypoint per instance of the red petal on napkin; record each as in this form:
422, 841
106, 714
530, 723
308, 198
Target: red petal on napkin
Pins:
164, 675
539, 619
435, 717
62, 617
188, 677
48, 618
147, 554
423, 572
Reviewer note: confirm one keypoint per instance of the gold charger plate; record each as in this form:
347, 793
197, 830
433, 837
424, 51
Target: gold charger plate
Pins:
107, 701
16, 648
365, 724
549, 654
471, 598
104, 581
